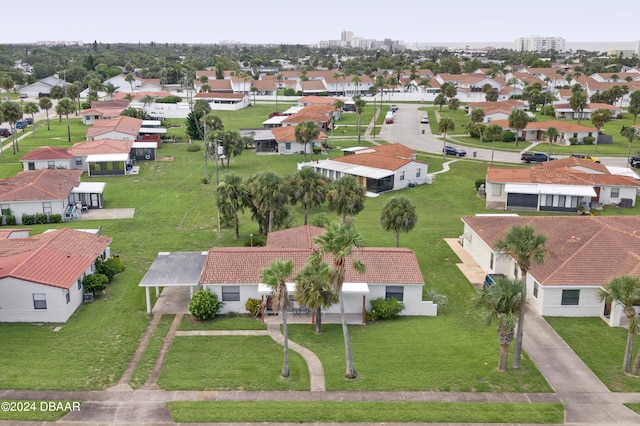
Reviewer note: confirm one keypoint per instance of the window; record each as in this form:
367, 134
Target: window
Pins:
287, 145
231, 293
615, 192
396, 291
549, 200
535, 290
67, 296
562, 200
31, 165
6, 210
570, 297
491, 261
51, 164
78, 161
418, 172
79, 283
402, 175
39, 301
46, 207
496, 189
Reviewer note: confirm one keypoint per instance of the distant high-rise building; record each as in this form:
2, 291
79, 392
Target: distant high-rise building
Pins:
539, 44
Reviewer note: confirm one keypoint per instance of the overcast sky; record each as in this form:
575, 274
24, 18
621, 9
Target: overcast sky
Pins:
307, 22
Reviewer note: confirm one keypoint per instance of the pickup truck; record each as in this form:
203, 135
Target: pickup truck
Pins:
535, 157
635, 161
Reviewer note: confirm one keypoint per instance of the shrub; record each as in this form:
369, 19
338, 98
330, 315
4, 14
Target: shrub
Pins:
289, 92
110, 267
320, 219
475, 130
480, 182
588, 140
317, 150
439, 299
548, 110
204, 305
508, 137
385, 309
41, 218
254, 306
10, 219
573, 141
28, 219
55, 218
95, 282
169, 100
255, 240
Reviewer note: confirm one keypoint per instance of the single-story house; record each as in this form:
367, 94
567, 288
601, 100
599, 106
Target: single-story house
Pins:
47, 158
233, 273
41, 276
535, 131
102, 156
564, 185
103, 110
496, 110
387, 168
583, 254
285, 138
122, 128
565, 112
224, 101
49, 191
42, 87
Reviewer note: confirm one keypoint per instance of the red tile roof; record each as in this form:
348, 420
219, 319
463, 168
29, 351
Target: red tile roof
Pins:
582, 250
300, 237
55, 258
122, 124
101, 146
39, 185
47, 153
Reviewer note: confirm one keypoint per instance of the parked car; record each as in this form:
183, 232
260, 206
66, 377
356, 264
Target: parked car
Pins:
490, 279
424, 119
5, 133
394, 108
535, 157
586, 157
635, 161
21, 124
452, 150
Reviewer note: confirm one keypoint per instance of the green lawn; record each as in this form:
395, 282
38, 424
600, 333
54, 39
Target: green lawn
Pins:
240, 322
357, 412
600, 347
151, 352
635, 407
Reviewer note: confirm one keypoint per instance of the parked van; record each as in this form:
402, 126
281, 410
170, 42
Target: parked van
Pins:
388, 118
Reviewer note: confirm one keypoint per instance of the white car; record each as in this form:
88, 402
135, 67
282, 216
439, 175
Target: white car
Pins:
424, 119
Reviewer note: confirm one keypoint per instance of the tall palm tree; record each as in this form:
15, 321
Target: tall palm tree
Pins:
232, 196
275, 276
598, 118
524, 246
31, 108
46, 104
339, 241
477, 117
65, 107
578, 102
110, 89
630, 133
440, 100
336, 75
12, 112
359, 104
492, 133
503, 301
625, 291
445, 126
306, 132
278, 80
346, 197
518, 120
356, 81
552, 134
129, 78
634, 105
398, 215
267, 195
313, 291
453, 105
309, 188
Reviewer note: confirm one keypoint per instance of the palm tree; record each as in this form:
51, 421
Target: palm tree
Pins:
110, 89
65, 107
12, 113
339, 241
493, 133
398, 215
598, 118
445, 126
46, 104
275, 276
440, 100
306, 132
278, 80
477, 117
56, 92
453, 105
504, 302
309, 188
232, 196
359, 104
578, 102
31, 108
356, 81
551, 134
346, 197
313, 291
336, 76
267, 195
518, 120
129, 78
625, 291
634, 105
524, 246
630, 133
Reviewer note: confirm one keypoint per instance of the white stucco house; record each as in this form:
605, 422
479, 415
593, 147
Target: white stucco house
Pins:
583, 254
47, 158
558, 186
233, 274
378, 169
41, 276
122, 128
285, 138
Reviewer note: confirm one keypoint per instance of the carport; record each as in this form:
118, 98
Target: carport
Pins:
173, 270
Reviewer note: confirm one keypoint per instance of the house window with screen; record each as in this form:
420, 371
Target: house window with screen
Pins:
535, 290
418, 172
51, 164
67, 297
396, 291
615, 192
287, 145
231, 293
402, 175
46, 207
6, 210
570, 297
39, 301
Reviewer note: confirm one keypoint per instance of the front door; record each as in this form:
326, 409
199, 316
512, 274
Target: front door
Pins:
95, 200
